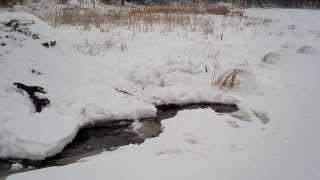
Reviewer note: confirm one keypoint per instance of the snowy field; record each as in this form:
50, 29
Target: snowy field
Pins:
272, 136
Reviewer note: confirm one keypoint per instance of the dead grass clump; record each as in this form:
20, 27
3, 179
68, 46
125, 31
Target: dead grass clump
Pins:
232, 78
218, 10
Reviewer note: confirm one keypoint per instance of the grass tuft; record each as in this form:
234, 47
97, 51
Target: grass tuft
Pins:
231, 78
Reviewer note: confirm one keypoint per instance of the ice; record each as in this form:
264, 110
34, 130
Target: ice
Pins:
16, 167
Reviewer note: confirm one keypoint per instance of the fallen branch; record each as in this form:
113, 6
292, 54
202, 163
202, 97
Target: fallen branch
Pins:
123, 92
39, 103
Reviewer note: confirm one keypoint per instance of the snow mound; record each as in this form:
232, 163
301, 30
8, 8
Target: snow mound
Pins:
167, 73
25, 134
102, 107
270, 58
306, 50
184, 94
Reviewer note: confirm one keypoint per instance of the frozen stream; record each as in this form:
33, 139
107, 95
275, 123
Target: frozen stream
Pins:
108, 136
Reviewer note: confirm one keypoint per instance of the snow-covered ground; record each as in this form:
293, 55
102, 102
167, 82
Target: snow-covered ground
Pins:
278, 49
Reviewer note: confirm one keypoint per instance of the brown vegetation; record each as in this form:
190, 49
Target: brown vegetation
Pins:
151, 15
231, 78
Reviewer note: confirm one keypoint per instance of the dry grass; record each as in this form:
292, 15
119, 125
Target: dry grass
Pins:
231, 78
236, 13
165, 9
218, 10
185, 9
169, 15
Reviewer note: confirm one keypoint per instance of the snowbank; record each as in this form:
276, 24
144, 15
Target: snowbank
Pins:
185, 150
78, 95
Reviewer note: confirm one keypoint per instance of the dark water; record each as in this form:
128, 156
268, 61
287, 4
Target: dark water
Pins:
109, 135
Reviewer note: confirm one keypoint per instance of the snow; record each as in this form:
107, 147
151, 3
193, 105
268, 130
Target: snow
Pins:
16, 167
185, 150
273, 136
25, 134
